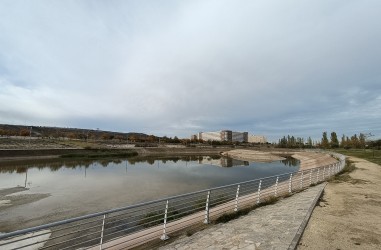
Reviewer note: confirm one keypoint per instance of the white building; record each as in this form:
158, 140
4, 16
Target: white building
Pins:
224, 135
257, 139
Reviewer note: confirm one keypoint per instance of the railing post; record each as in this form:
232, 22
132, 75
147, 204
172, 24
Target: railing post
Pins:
276, 186
290, 184
323, 173
259, 192
329, 171
103, 228
317, 176
301, 181
310, 177
165, 236
236, 199
206, 220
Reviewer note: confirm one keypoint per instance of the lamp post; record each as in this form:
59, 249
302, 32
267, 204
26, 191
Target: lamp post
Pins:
30, 135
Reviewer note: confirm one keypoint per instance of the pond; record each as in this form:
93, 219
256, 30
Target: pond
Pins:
80, 187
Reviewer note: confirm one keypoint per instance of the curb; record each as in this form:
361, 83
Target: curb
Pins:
295, 241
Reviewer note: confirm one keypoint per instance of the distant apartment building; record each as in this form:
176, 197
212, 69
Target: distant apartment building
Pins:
257, 139
194, 137
223, 135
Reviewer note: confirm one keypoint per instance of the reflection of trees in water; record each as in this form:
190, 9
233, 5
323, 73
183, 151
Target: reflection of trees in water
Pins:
86, 163
151, 159
290, 162
56, 165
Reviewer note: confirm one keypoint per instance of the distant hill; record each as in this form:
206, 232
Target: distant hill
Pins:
72, 133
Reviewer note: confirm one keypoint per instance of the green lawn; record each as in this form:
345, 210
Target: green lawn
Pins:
361, 153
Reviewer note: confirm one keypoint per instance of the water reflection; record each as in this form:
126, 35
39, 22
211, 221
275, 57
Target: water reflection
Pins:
55, 165
78, 187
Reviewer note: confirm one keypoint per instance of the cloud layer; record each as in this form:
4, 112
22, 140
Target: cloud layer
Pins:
179, 67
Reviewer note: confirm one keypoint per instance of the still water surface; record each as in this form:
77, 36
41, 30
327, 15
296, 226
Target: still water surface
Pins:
143, 176
80, 187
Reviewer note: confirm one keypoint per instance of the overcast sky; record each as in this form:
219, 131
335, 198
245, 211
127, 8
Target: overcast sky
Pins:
179, 67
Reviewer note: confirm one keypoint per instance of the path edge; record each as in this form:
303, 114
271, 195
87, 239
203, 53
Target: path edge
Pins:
295, 241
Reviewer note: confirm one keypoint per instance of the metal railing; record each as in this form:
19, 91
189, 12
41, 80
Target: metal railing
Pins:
134, 225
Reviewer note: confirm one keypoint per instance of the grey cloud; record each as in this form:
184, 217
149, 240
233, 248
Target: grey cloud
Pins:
177, 68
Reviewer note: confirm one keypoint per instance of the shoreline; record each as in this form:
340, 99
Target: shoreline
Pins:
307, 159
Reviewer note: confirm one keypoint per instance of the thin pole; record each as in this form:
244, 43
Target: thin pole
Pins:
165, 236
103, 227
259, 192
236, 199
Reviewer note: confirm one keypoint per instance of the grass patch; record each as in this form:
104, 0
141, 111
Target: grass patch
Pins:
231, 216
367, 154
344, 176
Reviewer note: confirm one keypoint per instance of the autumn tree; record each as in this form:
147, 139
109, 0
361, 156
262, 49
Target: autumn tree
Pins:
24, 132
3, 132
355, 141
324, 141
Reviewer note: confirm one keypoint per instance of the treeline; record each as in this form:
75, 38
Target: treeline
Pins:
84, 134
71, 133
331, 141
295, 142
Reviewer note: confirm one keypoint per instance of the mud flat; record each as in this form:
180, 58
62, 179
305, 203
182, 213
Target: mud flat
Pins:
9, 199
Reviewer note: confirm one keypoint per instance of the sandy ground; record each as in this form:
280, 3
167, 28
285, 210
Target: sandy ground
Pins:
252, 155
307, 159
349, 213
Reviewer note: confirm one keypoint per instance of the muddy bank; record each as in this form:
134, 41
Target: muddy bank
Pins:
9, 199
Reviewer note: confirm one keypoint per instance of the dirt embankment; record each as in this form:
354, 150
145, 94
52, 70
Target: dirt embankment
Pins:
348, 215
307, 160
252, 155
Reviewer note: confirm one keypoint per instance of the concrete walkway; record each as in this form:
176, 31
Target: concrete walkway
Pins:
277, 226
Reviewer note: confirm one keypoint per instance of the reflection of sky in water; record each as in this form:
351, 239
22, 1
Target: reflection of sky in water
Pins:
79, 188
142, 180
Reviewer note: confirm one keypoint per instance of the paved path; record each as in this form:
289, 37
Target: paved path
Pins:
270, 227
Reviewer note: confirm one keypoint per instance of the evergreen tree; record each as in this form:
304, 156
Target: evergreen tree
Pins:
334, 140
324, 141
309, 142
